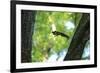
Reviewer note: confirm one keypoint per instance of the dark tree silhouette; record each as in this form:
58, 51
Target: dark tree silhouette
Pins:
81, 36
27, 24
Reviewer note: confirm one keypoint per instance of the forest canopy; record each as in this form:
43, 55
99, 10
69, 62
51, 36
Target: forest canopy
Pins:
48, 36
45, 43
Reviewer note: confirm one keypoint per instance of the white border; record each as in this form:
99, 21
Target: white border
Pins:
51, 64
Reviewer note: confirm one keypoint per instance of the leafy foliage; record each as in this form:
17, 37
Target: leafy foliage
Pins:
44, 42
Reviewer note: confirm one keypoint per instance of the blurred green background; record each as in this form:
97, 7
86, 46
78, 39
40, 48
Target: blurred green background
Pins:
47, 46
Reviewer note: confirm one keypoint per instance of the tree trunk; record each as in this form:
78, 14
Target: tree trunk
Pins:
27, 26
81, 36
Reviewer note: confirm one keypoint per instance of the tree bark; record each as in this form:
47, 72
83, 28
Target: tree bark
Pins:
81, 36
27, 27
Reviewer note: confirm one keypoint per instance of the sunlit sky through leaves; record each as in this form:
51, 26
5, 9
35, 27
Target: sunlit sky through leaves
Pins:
69, 25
